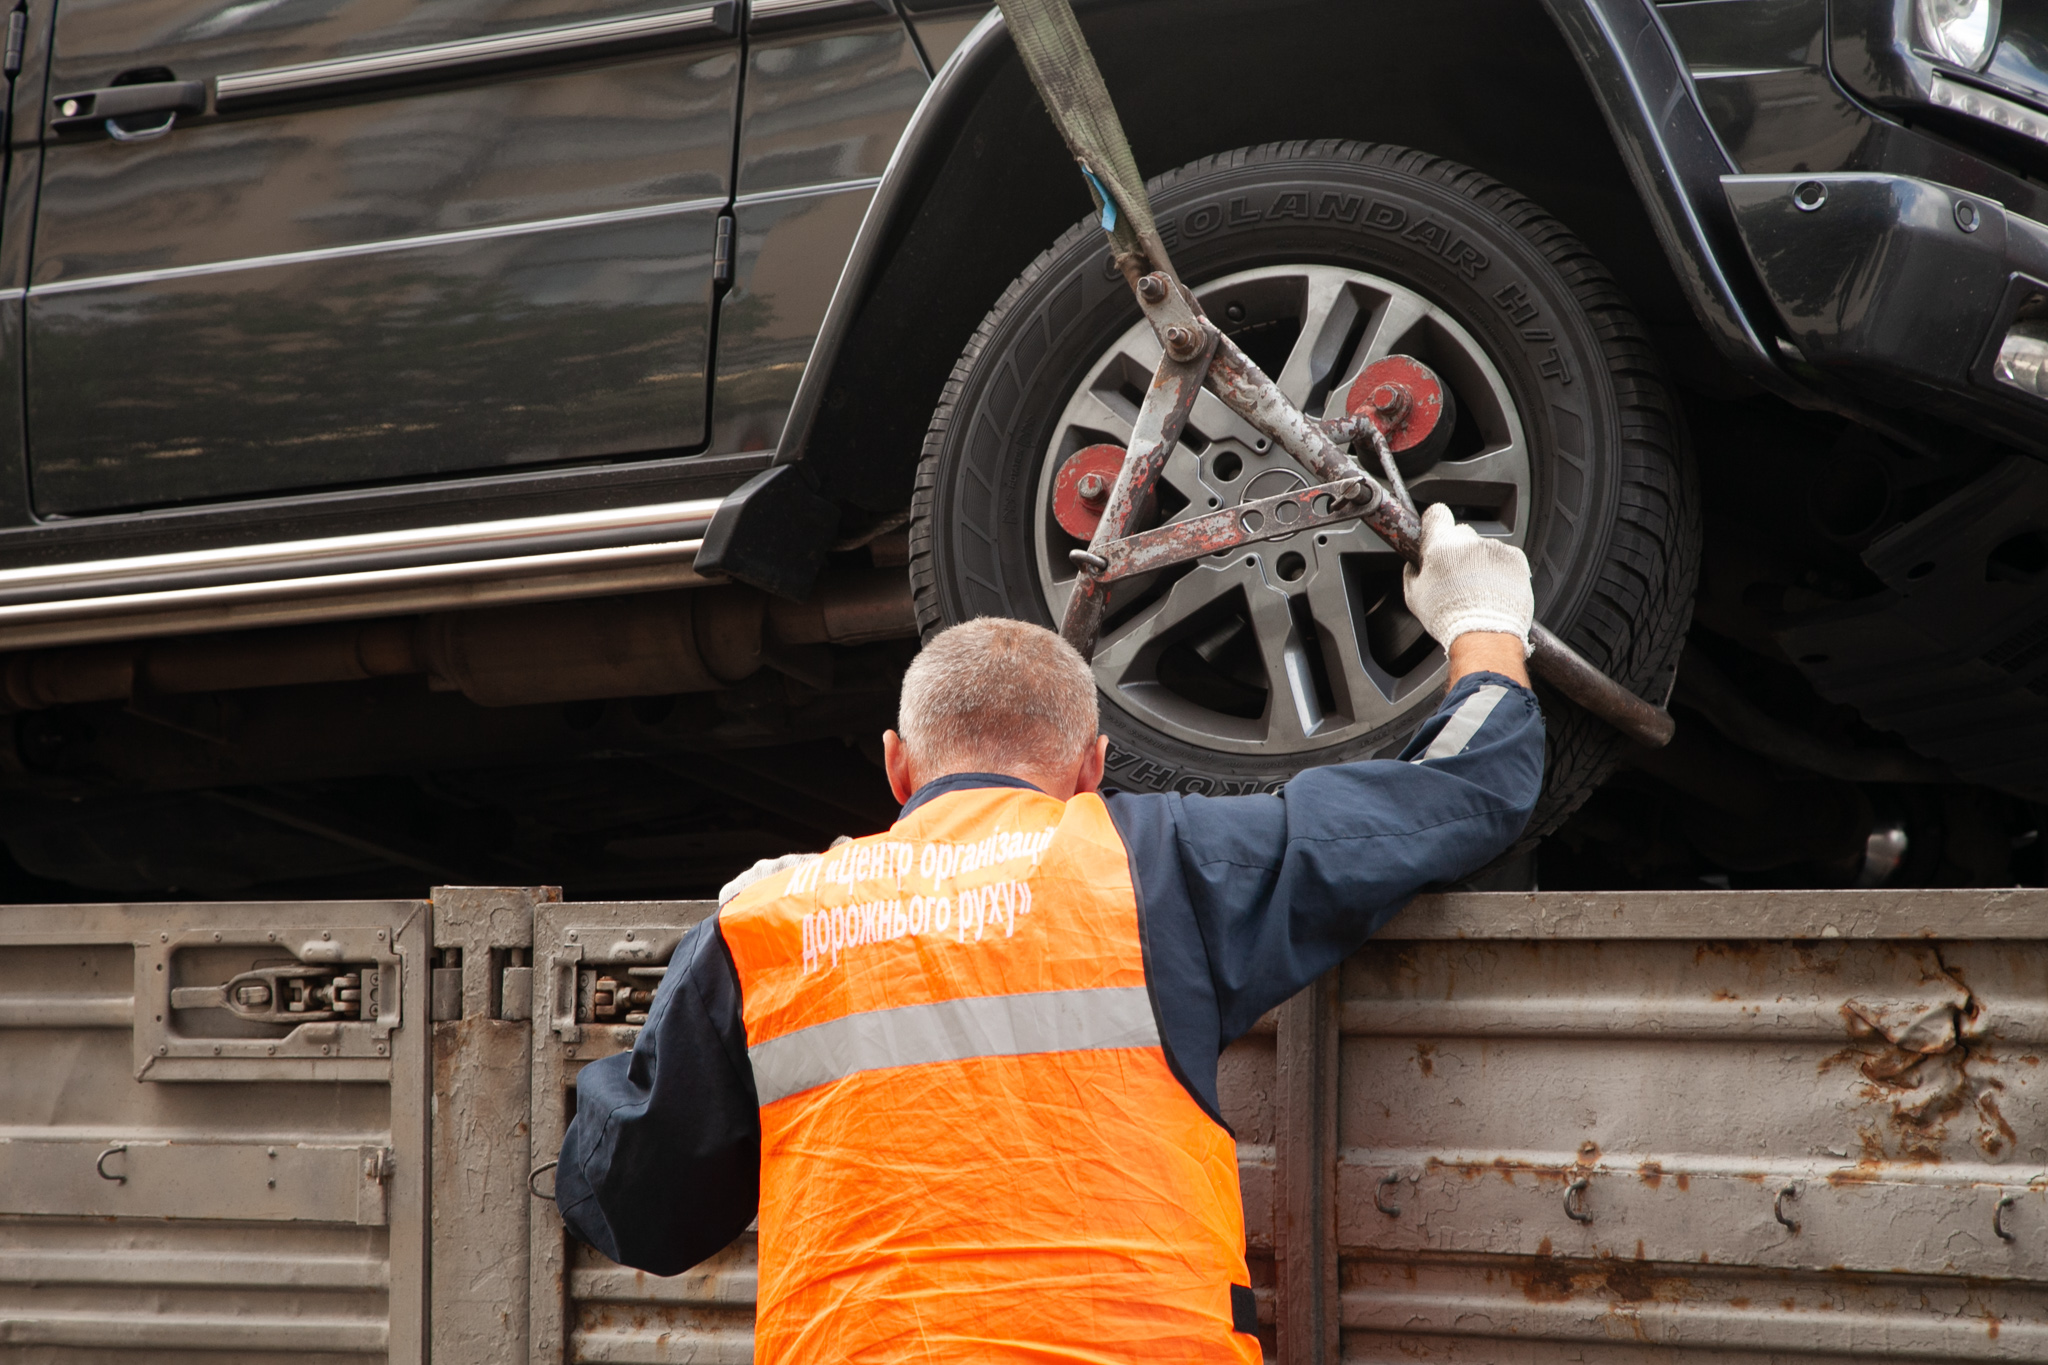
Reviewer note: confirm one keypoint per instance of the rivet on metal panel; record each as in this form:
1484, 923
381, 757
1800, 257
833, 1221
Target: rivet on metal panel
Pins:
1998, 1219
1778, 1208
1379, 1195
535, 1174
101, 1164
324, 933
1575, 1201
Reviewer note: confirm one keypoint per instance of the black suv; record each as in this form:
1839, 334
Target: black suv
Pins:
523, 439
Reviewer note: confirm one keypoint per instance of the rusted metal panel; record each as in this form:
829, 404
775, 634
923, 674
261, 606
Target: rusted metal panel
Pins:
583, 1307
1544, 1128
170, 1182
483, 941
1804, 1123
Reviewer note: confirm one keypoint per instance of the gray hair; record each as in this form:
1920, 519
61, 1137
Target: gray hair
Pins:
992, 695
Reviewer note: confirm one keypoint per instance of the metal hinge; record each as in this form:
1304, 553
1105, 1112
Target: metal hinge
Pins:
613, 1001
721, 253
286, 995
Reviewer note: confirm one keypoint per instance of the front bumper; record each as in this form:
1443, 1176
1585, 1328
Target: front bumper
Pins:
1898, 287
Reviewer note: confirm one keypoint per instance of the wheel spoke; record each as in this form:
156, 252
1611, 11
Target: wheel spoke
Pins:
1216, 421
1396, 319
1116, 651
1293, 712
1491, 479
1183, 474
1503, 464
1096, 413
1327, 316
1344, 651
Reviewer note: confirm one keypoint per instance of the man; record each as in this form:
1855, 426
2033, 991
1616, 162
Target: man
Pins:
966, 1069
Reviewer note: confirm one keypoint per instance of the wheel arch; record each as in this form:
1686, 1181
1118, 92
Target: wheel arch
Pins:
1549, 101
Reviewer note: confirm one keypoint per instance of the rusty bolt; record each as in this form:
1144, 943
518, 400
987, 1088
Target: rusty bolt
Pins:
1181, 342
1093, 489
1390, 400
1152, 288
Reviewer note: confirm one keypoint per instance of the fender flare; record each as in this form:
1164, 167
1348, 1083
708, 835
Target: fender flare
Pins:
774, 530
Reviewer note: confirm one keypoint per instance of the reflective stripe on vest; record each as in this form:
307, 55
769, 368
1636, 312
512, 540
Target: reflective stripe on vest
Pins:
972, 1146
953, 1031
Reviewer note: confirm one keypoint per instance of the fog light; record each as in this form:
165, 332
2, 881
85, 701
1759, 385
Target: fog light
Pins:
2023, 358
1960, 31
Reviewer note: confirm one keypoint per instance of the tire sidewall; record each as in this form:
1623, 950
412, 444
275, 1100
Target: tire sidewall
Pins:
1239, 214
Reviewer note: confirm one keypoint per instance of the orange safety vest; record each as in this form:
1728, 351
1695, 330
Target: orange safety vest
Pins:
972, 1146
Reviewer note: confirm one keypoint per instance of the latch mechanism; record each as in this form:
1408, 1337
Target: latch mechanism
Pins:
613, 1001
286, 995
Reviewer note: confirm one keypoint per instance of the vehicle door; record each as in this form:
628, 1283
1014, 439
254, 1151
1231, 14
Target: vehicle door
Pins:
595, 969
213, 1141
297, 244
830, 86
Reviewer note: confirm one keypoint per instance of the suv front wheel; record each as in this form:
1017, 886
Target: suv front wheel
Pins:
1233, 673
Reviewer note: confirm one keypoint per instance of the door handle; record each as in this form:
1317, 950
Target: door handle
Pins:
77, 110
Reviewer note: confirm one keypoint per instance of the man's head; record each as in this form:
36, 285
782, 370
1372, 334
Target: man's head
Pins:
997, 696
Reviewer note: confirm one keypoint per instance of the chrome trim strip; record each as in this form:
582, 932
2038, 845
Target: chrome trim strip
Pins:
1727, 73
1993, 109
335, 253
807, 191
352, 596
780, 9
299, 559
1107, 1017
296, 82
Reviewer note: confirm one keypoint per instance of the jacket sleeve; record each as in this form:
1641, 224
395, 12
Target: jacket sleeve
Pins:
1279, 889
661, 1166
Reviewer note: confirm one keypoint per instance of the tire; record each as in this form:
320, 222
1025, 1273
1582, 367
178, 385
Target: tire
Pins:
1580, 449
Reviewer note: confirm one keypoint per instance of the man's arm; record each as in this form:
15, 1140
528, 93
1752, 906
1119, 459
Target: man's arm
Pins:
661, 1166
1487, 651
1245, 900
1284, 888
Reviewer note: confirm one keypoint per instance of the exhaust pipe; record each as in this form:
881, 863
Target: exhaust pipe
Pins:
647, 644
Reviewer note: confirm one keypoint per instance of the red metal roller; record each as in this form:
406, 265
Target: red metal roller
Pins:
1412, 408
1082, 489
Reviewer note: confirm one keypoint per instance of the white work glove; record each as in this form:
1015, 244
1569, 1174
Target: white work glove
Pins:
768, 867
1468, 582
